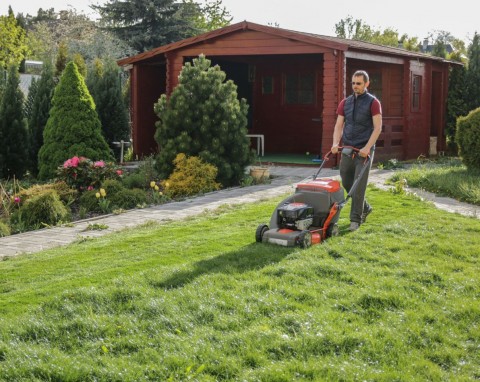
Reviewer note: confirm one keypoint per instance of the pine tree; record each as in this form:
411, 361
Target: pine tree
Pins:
73, 128
456, 105
13, 129
473, 73
204, 118
105, 85
146, 25
39, 114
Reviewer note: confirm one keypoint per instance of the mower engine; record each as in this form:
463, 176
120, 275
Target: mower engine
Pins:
295, 216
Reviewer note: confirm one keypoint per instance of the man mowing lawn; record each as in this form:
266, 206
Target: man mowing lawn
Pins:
359, 123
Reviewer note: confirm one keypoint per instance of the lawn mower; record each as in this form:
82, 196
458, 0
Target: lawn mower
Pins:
310, 215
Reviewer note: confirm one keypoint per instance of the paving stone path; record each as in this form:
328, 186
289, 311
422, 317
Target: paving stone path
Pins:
283, 182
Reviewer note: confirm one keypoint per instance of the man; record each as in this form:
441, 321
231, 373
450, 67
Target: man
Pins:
359, 123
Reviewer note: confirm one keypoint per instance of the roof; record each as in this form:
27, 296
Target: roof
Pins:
314, 39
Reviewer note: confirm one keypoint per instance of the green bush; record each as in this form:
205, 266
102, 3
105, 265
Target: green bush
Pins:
89, 202
127, 199
468, 139
4, 229
66, 194
134, 180
42, 209
112, 186
191, 176
203, 117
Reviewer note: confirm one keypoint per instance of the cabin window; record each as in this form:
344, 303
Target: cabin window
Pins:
267, 85
300, 88
375, 86
416, 92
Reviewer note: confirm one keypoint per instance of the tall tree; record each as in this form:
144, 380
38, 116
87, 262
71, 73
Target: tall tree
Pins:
12, 41
13, 129
39, 114
209, 16
358, 30
147, 24
473, 73
73, 127
105, 84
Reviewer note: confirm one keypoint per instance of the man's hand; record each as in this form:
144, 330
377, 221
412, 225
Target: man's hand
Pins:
334, 149
364, 152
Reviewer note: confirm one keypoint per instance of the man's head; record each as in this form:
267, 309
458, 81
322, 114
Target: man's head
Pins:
360, 82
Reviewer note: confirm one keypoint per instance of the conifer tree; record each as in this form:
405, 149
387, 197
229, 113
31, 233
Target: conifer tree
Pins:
13, 129
473, 73
32, 90
39, 114
203, 117
105, 85
73, 127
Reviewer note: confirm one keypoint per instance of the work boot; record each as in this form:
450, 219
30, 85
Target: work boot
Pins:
354, 226
365, 213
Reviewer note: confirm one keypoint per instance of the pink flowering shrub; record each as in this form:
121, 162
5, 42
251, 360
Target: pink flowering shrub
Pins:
84, 174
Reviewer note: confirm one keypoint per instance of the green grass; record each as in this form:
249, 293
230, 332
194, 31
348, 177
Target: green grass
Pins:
452, 179
297, 159
200, 300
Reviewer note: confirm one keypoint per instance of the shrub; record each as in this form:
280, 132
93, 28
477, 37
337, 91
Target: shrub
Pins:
468, 139
112, 186
88, 201
84, 174
134, 180
45, 208
190, 177
128, 199
73, 127
64, 191
4, 229
203, 117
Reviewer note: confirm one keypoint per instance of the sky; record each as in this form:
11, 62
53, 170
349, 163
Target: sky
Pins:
416, 18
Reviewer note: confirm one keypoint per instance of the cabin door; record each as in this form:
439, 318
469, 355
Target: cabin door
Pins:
288, 104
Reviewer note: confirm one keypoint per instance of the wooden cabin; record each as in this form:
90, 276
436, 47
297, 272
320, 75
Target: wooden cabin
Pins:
293, 82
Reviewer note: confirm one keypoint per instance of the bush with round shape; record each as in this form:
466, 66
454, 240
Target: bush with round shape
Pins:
191, 176
468, 139
42, 209
128, 199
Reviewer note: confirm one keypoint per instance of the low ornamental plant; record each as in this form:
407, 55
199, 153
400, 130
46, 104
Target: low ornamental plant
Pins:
84, 174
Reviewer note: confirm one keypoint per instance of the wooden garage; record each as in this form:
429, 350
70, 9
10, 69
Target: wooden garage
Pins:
293, 82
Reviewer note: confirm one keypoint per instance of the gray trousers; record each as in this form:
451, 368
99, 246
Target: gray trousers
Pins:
350, 167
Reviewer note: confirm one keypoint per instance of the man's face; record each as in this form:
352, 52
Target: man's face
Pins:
359, 85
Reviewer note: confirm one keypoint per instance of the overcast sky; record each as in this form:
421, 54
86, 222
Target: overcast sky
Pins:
413, 17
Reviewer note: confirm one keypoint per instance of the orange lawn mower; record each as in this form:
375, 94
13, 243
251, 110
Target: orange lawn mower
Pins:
310, 215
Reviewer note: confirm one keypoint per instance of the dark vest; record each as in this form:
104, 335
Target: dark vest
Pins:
358, 120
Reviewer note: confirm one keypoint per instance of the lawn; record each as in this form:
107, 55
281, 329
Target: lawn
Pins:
396, 300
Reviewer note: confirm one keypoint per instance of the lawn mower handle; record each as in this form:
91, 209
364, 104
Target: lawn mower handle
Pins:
326, 158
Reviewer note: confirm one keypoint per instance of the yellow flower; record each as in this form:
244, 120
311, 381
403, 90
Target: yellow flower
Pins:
160, 193
97, 195
152, 184
103, 192
156, 188
167, 184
